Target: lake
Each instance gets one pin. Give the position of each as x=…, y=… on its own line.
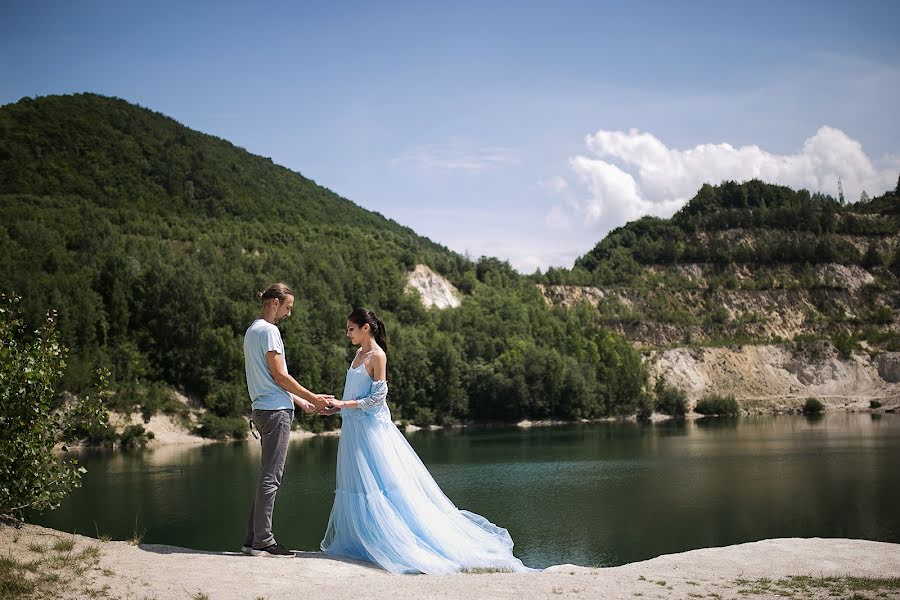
x=598, y=494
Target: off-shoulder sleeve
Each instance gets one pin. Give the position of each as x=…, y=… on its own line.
x=376, y=397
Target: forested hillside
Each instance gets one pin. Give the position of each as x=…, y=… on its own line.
x=150, y=240
x=747, y=263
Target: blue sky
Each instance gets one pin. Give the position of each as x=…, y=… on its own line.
x=519, y=130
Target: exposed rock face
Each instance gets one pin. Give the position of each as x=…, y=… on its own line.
x=889, y=366
x=434, y=290
x=767, y=377
x=676, y=308
x=675, y=305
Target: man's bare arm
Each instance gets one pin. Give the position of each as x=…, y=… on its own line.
x=284, y=379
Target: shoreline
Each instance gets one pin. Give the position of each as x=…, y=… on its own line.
x=796, y=567
x=168, y=433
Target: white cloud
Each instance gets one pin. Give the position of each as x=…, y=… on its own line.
x=459, y=156
x=633, y=173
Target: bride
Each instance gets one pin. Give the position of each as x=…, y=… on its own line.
x=387, y=508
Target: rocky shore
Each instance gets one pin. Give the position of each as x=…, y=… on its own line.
x=64, y=565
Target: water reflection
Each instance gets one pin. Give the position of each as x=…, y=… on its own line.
x=604, y=493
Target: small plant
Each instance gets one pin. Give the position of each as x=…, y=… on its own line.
x=219, y=428
x=31, y=363
x=813, y=406
x=644, y=408
x=486, y=570
x=135, y=436
x=845, y=344
x=670, y=400
x=138, y=536
x=873, y=404
x=718, y=405
x=62, y=545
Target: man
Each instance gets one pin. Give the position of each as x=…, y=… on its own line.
x=274, y=394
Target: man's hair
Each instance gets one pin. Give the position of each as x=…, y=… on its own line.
x=276, y=291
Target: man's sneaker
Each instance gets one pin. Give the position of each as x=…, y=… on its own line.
x=247, y=550
x=275, y=550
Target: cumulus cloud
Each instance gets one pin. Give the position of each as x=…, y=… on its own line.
x=630, y=174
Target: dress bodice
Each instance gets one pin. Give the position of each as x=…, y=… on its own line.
x=359, y=385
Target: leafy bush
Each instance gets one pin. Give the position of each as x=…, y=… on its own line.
x=32, y=476
x=715, y=404
x=423, y=417
x=102, y=436
x=845, y=344
x=644, y=407
x=135, y=436
x=874, y=404
x=809, y=346
x=220, y=428
x=670, y=400
x=813, y=406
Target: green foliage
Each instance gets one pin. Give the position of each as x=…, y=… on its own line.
x=220, y=428
x=32, y=421
x=670, y=400
x=845, y=344
x=809, y=347
x=873, y=404
x=785, y=226
x=644, y=407
x=813, y=406
x=152, y=239
x=135, y=436
x=718, y=405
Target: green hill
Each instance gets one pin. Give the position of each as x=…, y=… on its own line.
x=150, y=240
x=747, y=263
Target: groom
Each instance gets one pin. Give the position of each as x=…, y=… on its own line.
x=273, y=393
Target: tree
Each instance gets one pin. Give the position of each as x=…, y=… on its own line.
x=32, y=475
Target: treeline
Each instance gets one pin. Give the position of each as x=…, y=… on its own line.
x=150, y=240
x=779, y=225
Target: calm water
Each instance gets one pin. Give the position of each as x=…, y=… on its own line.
x=598, y=494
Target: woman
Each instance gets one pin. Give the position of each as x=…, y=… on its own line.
x=387, y=508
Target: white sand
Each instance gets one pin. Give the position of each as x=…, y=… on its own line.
x=156, y=571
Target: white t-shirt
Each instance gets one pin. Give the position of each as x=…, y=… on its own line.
x=262, y=337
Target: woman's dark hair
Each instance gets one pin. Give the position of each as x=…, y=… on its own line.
x=276, y=291
x=364, y=316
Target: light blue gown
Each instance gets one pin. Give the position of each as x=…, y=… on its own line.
x=388, y=510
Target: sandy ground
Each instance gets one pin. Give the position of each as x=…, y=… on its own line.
x=155, y=571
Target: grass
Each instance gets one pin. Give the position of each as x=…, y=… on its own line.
x=103, y=538
x=48, y=569
x=200, y=596
x=486, y=570
x=808, y=586
x=138, y=536
x=66, y=545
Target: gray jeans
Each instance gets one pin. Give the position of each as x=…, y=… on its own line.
x=274, y=429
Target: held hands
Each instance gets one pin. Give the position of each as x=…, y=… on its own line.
x=317, y=404
x=322, y=401
x=334, y=406
x=320, y=404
